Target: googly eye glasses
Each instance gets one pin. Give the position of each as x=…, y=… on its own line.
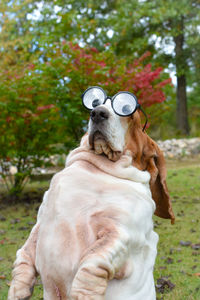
x=123, y=104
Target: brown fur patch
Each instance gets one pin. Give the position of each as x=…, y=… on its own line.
x=147, y=156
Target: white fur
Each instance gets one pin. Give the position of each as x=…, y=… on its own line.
x=94, y=236
x=115, y=128
x=77, y=194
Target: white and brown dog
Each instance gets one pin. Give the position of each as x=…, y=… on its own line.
x=94, y=235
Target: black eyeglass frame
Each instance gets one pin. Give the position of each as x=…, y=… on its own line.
x=112, y=99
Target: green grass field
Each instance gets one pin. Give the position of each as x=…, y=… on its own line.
x=178, y=259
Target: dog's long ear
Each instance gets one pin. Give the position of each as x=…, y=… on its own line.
x=157, y=168
x=148, y=156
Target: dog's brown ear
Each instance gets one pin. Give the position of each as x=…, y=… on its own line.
x=157, y=169
x=148, y=156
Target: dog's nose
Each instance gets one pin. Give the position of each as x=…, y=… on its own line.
x=99, y=114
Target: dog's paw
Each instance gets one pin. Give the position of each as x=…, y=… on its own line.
x=19, y=291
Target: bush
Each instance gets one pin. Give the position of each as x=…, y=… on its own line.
x=29, y=127
x=41, y=102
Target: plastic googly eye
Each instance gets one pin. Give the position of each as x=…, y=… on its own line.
x=93, y=97
x=124, y=103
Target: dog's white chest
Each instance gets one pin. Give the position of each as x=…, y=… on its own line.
x=129, y=206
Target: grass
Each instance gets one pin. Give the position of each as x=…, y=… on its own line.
x=181, y=264
x=175, y=263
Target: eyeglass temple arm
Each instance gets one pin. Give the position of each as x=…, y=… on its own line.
x=145, y=117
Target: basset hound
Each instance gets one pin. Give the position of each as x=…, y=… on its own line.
x=94, y=236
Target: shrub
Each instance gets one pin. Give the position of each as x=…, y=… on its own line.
x=41, y=102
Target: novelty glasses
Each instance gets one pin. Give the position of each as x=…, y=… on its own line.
x=123, y=104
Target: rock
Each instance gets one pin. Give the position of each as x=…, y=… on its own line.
x=170, y=155
x=177, y=148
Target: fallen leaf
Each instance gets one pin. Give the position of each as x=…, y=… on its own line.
x=163, y=257
x=195, y=246
x=195, y=253
x=178, y=249
x=164, y=284
x=31, y=223
x=174, y=174
x=14, y=221
x=195, y=200
x=181, y=213
x=169, y=260
x=23, y=228
x=2, y=218
x=197, y=274
x=12, y=243
x=2, y=277
x=157, y=223
x=185, y=243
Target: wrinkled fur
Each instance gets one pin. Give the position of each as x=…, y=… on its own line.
x=94, y=235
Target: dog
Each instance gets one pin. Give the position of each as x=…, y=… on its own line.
x=94, y=236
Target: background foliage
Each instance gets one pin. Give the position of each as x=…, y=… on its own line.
x=51, y=51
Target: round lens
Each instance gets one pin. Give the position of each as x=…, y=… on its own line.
x=93, y=97
x=124, y=104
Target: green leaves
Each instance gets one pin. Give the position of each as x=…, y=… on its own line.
x=50, y=52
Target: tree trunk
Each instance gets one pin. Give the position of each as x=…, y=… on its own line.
x=181, y=108
x=181, y=70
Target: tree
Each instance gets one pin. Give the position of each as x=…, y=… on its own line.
x=75, y=68
x=136, y=27
x=139, y=24
x=41, y=103
x=42, y=78
x=179, y=21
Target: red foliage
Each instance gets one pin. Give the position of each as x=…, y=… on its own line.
x=40, y=108
x=106, y=70
x=8, y=119
x=31, y=66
